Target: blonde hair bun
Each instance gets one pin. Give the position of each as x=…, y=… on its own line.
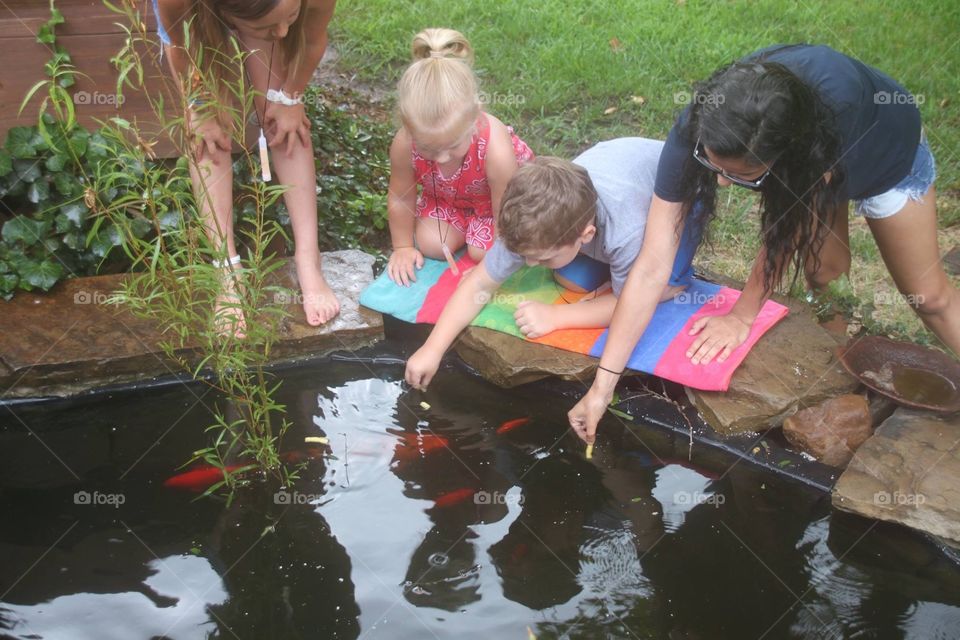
x=441, y=43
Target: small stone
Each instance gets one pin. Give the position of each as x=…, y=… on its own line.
x=831, y=431
x=951, y=261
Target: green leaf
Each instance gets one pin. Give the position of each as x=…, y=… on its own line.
x=6, y=162
x=8, y=282
x=66, y=184
x=79, y=141
x=41, y=275
x=24, y=229
x=75, y=212
x=45, y=34
x=56, y=163
x=38, y=191
x=19, y=142
x=622, y=414
x=27, y=170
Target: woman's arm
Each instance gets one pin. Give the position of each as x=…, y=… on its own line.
x=638, y=300
x=172, y=14
x=318, y=16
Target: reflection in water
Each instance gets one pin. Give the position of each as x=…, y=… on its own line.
x=424, y=522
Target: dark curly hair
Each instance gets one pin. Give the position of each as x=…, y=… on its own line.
x=762, y=113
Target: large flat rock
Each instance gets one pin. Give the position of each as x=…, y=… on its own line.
x=907, y=472
x=792, y=367
x=69, y=340
x=508, y=361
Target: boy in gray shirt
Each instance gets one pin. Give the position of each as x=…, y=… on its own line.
x=585, y=219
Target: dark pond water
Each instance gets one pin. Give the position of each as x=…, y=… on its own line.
x=400, y=536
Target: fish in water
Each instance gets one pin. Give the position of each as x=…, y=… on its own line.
x=198, y=479
x=415, y=444
x=510, y=425
x=454, y=497
x=204, y=476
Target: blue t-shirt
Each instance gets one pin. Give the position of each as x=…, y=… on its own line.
x=877, y=121
x=623, y=172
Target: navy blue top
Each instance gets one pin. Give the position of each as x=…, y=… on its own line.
x=877, y=120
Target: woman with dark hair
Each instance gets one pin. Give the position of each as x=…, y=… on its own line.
x=810, y=129
x=286, y=40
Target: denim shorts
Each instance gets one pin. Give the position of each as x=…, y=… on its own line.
x=161, y=32
x=912, y=187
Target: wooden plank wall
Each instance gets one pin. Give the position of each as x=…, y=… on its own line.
x=91, y=37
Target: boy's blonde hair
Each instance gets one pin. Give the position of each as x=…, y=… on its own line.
x=547, y=204
x=438, y=92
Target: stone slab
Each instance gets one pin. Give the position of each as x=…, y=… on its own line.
x=508, y=361
x=69, y=340
x=792, y=367
x=907, y=472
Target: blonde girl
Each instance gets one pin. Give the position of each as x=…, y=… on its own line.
x=449, y=162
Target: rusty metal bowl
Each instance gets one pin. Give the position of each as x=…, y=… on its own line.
x=908, y=374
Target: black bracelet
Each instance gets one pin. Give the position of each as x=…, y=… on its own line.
x=609, y=371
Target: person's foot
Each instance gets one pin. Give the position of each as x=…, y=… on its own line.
x=228, y=310
x=320, y=305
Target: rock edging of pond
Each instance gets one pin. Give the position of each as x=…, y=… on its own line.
x=69, y=340
x=792, y=367
x=508, y=361
x=907, y=472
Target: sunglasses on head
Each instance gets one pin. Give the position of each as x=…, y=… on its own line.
x=700, y=154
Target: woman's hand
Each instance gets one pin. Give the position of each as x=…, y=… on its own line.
x=209, y=138
x=286, y=125
x=718, y=335
x=586, y=414
x=403, y=265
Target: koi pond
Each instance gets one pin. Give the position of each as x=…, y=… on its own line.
x=464, y=512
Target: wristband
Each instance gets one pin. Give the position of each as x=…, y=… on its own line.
x=280, y=97
x=610, y=370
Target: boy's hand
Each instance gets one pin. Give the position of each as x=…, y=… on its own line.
x=535, y=319
x=421, y=367
x=718, y=335
x=403, y=265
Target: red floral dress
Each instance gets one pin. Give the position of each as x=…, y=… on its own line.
x=463, y=199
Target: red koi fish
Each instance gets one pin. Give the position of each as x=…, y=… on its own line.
x=454, y=497
x=198, y=479
x=510, y=425
x=415, y=444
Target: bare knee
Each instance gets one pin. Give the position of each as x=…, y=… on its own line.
x=476, y=253
x=933, y=301
x=828, y=271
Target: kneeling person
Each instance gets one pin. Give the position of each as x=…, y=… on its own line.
x=585, y=220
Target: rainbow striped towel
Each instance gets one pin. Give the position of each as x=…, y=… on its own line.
x=661, y=350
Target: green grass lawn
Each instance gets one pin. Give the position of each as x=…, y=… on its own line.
x=568, y=74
